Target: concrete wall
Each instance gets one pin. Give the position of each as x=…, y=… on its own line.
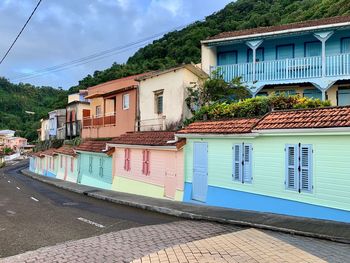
x=64, y=168
x=331, y=168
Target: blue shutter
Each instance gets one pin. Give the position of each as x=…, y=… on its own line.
x=306, y=168
x=247, y=171
x=283, y=52
x=259, y=55
x=313, y=49
x=227, y=58
x=345, y=45
x=313, y=93
x=292, y=156
x=237, y=162
x=344, y=96
x=101, y=167
x=90, y=164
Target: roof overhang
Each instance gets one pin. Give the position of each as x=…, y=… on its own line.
x=216, y=135
x=311, y=131
x=279, y=32
x=133, y=146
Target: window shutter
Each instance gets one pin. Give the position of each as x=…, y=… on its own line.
x=129, y=164
x=101, y=167
x=306, y=168
x=237, y=162
x=125, y=159
x=90, y=164
x=71, y=164
x=53, y=163
x=247, y=168
x=292, y=166
x=148, y=163
x=61, y=161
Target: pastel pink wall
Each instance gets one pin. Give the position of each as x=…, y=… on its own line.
x=162, y=162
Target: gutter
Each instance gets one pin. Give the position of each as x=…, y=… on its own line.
x=132, y=146
x=215, y=136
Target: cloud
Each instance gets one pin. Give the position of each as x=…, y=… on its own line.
x=65, y=30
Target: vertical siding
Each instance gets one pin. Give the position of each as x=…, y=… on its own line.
x=331, y=169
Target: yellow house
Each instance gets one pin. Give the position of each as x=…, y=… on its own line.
x=162, y=97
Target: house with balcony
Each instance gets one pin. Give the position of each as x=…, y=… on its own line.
x=113, y=108
x=43, y=131
x=162, y=97
x=310, y=58
x=74, y=113
x=57, y=124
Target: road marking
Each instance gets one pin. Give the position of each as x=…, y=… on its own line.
x=18, y=188
x=9, y=181
x=36, y=200
x=90, y=222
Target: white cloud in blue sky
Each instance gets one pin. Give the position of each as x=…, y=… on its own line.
x=65, y=30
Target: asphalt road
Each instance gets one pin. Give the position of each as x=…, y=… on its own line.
x=33, y=214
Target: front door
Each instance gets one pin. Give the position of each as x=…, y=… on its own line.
x=200, y=171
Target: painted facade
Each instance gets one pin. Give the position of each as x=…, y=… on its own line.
x=57, y=121
x=146, y=163
x=311, y=59
x=113, y=108
x=252, y=171
x=67, y=164
x=43, y=132
x=77, y=104
x=162, y=96
x=94, y=165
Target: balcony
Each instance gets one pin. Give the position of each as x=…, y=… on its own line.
x=270, y=72
x=108, y=119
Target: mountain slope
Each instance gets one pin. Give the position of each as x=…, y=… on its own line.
x=184, y=46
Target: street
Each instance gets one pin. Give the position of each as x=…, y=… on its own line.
x=33, y=214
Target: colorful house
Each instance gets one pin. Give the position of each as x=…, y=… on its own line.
x=49, y=163
x=290, y=162
x=148, y=163
x=309, y=58
x=113, y=108
x=162, y=96
x=57, y=122
x=95, y=164
x=43, y=132
x=67, y=168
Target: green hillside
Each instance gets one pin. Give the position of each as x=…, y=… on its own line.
x=15, y=100
x=184, y=46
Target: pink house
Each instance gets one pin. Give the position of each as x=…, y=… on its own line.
x=15, y=143
x=148, y=163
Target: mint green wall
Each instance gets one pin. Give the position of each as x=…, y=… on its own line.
x=331, y=167
x=94, y=178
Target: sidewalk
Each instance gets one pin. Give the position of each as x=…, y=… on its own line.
x=330, y=230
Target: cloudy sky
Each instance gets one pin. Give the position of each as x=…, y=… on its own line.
x=66, y=30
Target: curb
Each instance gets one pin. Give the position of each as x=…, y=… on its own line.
x=186, y=215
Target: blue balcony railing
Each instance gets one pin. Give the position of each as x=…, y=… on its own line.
x=287, y=69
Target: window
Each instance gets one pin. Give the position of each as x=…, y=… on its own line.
x=345, y=45
x=312, y=49
x=127, y=160
x=262, y=94
x=285, y=51
x=98, y=111
x=299, y=167
x=90, y=164
x=146, y=162
x=285, y=92
x=100, y=171
x=242, y=163
x=313, y=93
x=227, y=58
x=158, y=102
x=344, y=96
x=259, y=55
x=126, y=101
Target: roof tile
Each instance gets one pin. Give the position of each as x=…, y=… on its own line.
x=92, y=146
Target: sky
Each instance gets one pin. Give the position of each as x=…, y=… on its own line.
x=66, y=30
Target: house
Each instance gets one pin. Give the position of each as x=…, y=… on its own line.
x=57, y=121
x=309, y=58
x=74, y=113
x=67, y=167
x=49, y=162
x=36, y=163
x=43, y=131
x=5, y=134
x=15, y=143
x=113, y=108
x=148, y=163
x=292, y=162
x=162, y=96
x=95, y=164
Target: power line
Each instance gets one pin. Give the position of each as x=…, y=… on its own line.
x=94, y=57
x=20, y=32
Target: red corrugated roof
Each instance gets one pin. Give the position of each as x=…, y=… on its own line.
x=298, y=25
x=233, y=126
x=148, y=138
x=331, y=117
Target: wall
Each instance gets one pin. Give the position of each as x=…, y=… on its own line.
x=331, y=180
x=64, y=171
x=125, y=119
x=208, y=58
x=166, y=170
x=93, y=177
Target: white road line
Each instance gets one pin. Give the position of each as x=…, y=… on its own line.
x=36, y=200
x=9, y=181
x=18, y=188
x=90, y=222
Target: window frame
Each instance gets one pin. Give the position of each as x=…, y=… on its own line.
x=241, y=162
x=341, y=44
x=285, y=45
x=124, y=106
x=312, y=42
x=226, y=52
x=158, y=94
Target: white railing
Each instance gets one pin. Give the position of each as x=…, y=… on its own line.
x=287, y=69
x=156, y=124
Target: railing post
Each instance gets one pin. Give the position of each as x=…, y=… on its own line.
x=323, y=37
x=287, y=68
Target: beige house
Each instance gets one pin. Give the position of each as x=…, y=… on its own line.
x=43, y=131
x=162, y=97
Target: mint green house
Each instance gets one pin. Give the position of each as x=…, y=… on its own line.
x=95, y=165
x=289, y=162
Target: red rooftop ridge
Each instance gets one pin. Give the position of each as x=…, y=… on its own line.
x=92, y=146
x=66, y=150
x=298, y=25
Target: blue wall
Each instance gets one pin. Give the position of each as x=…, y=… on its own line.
x=247, y=201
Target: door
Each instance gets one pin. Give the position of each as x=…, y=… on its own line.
x=200, y=171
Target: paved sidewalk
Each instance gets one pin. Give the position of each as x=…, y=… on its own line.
x=295, y=225
x=190, y=241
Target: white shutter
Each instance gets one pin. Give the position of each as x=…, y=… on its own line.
x=237, y=162
x=292, y=155
x=247, y=158
x=306, y=168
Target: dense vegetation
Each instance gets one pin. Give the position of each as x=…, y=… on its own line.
x=174, y=48
x=15, y=100
x=184, y=46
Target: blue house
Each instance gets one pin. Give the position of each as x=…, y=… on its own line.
x=310, y=58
